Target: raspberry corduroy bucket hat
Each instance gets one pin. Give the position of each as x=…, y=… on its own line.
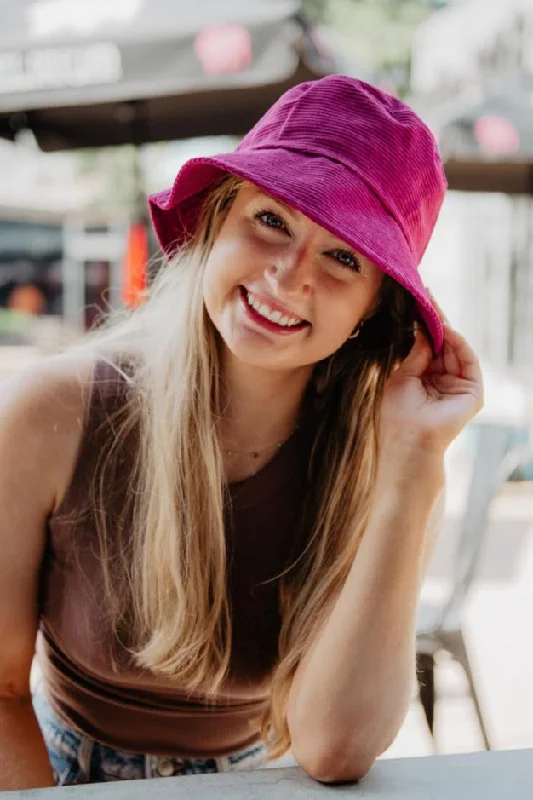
x=355, y=160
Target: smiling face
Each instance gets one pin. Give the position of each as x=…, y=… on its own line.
x=283, y=292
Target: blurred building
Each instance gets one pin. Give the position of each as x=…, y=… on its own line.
x=472, y=80
x=30, y=256
x=59, y=256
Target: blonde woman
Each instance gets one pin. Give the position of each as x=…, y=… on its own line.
x=216, y=514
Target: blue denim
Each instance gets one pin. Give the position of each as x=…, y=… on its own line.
x=76, y=758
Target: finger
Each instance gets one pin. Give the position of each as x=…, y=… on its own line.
x=437, y=363
x=449, y=359
x=460, y=351
x=452, y=365
x=419, y=358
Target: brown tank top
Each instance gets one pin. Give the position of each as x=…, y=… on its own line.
x=132, y=709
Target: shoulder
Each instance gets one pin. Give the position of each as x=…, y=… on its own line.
x=49, y=391
x=42, y=415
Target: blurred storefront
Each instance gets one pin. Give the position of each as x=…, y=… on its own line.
x=30, y=255
x=46, y=215
x=472, y=80
x=30, y=270
x=68, y=268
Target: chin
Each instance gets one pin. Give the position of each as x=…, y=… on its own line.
x=256, y=355
x=246, y=355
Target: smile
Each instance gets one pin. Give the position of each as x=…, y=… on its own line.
x=270, y=318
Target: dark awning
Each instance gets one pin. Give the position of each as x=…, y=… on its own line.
x=109, y=72
x=514, y=177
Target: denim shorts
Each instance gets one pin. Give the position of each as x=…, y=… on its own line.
x=76, y=758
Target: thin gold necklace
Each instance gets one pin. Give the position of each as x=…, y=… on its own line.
x=256, y=453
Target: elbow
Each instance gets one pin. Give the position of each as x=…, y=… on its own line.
x=332, y=765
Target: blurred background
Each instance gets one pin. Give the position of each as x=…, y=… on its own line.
x=101, y=103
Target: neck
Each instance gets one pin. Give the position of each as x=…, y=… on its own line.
x=260, y=406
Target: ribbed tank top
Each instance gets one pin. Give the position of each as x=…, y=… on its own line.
x=130, y=708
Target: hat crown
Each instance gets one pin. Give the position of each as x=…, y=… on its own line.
x=372, y=133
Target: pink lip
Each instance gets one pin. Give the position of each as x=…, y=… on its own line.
x=287, y=312
x=267, y=324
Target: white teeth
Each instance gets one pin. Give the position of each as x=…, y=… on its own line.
x=269, y=313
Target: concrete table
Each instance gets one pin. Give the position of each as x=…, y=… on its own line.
x=475, y=776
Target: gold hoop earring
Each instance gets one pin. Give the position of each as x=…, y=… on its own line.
x=357, y=331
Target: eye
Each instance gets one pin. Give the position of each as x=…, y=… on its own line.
x=270, y=220
x=346, y=259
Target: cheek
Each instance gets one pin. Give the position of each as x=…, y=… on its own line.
x=218, y=272
x=230, y=262
x=342, y=311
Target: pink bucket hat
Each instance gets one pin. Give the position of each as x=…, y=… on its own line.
x=353, y=159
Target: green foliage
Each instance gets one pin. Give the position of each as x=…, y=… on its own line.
x=117, y=167
x=375, y=33
x=316, y=10
x=391, y=9
x=119, y=172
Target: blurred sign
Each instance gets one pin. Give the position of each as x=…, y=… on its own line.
x=50, y=17
x=224, y=49
x=59, y=67
x=496, y=135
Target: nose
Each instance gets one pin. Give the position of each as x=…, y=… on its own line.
x=291, y=274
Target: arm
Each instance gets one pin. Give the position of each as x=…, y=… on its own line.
x=40, y=415
x=356, y=682
x=351, y=691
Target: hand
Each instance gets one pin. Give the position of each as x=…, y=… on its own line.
x=428, y=400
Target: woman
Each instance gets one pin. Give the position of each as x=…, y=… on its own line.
x=220, y=508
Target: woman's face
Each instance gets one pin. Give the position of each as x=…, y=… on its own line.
x=283, y=292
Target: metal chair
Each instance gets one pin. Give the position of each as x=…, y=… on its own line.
x=440, y=627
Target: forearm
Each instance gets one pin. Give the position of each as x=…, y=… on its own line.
x=351, y=692
x=24, y=761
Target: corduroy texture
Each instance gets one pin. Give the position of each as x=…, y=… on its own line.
x=352, y=158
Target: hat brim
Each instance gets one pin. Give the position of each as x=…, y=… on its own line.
x=325, y=191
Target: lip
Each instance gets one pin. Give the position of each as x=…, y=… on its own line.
x=267, y=324
x=274, y=305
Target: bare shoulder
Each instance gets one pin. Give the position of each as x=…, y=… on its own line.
x=42, y=413
x=41, y=420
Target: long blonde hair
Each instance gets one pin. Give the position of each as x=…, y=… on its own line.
x=165, y=570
